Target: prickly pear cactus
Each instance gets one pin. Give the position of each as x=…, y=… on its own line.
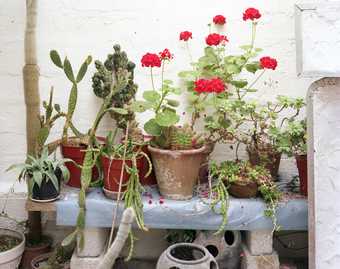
x=116, y=65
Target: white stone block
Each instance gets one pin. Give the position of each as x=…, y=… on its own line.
x=317, y=39
x=95, y=242
x=259, y=242
x=259, y=262
x=85, y=262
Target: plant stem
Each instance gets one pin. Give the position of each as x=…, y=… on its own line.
x=152, y=82
x=257, y=79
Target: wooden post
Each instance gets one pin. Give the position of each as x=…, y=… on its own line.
x=32, y=101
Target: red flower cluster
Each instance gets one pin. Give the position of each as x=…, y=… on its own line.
x=251, y=14
x=151, y=60
x=215, y=39
x=219, y=19
x=268, y=63
x=185, y=36
x=166, y=55
x=215, y=85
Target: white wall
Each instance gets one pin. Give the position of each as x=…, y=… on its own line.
x=78, y=28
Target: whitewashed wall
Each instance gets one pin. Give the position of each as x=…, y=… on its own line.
x=78, y=28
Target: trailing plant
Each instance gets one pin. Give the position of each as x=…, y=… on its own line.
x=75, y=80
x=103, y=79
x=130, y=151
x=242, y=172
x=41, y=169
x=180, y=236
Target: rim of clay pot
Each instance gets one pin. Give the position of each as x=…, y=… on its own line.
x=204, y=250
x=74, y=138
x=182, y=152
x=15, y=252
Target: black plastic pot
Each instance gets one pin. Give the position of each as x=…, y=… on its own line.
x=47, y=190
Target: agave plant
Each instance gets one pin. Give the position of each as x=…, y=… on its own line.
x=42, y=168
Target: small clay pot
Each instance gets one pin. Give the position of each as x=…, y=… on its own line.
x=267, y=157
x=38, y=262
x=301, y=163
x=243, y=190
x=177, y=171
x=33, y=251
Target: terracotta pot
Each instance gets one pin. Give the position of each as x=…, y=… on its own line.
x=266, y=157
x=10, y=259
x=177, y=171
x=248, y=190
x=38, y=262
x=77, y=154
x=186, y=256
x=301, y=163
x=33, y=251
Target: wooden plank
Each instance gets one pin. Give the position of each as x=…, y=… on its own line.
x=43, y=207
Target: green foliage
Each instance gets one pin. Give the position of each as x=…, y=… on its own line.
x=41, y=169
x=295, y=136
x=184, y=138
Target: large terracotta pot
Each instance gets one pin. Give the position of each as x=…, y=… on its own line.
x=10, y=259
x=301, y=163
x=33, y=251
x=77, y=154
x=177, y=171
x=186, y=256
x=267, y=157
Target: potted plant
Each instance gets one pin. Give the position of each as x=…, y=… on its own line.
x=12, y=245
x=173, y=148
x=296, y=138
x=45, y=175
x=244, y=180
x=219, y=92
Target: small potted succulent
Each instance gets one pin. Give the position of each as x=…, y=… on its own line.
x=12, y=246
x=173, y=148
x=296, y=137
x=244, y=180
x=44, y=175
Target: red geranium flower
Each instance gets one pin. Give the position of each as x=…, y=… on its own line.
x=215, y=39
x=166, y=55
x=185, y=36
x=151, y=60
x=268, y=63
x=215, y=85
x=219, y=19
x=251, y=14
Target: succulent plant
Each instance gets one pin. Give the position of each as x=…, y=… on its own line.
x=184, y=138
x=102, y=81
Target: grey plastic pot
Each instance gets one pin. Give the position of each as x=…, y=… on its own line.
x=10, y=259
x=186, y=256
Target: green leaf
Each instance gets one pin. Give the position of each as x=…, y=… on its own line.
x=151, y=96
x=239, y=83
x=37, y=178
x=54, y=55
x=68, y=70
x=119, y=110
x=72, y=101
x=253, y=67
x=57, y=107
x=173, y=103
x=70, y=239
x=82, y=72
x=139, y=106
x=232, y=69
x=152, y=128
x=65, y=172
x=246, y=47
x=42, y=135
x=166, y=118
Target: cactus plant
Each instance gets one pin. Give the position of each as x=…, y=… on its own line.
x=184, y=138
x=72, y=101
x=102, y=80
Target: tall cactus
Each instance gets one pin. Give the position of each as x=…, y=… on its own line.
x=72, y=100
x=102, y=80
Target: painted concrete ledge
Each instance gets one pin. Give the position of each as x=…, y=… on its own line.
x=243, y=214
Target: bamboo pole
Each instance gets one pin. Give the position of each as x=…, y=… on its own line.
x=32, y=101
